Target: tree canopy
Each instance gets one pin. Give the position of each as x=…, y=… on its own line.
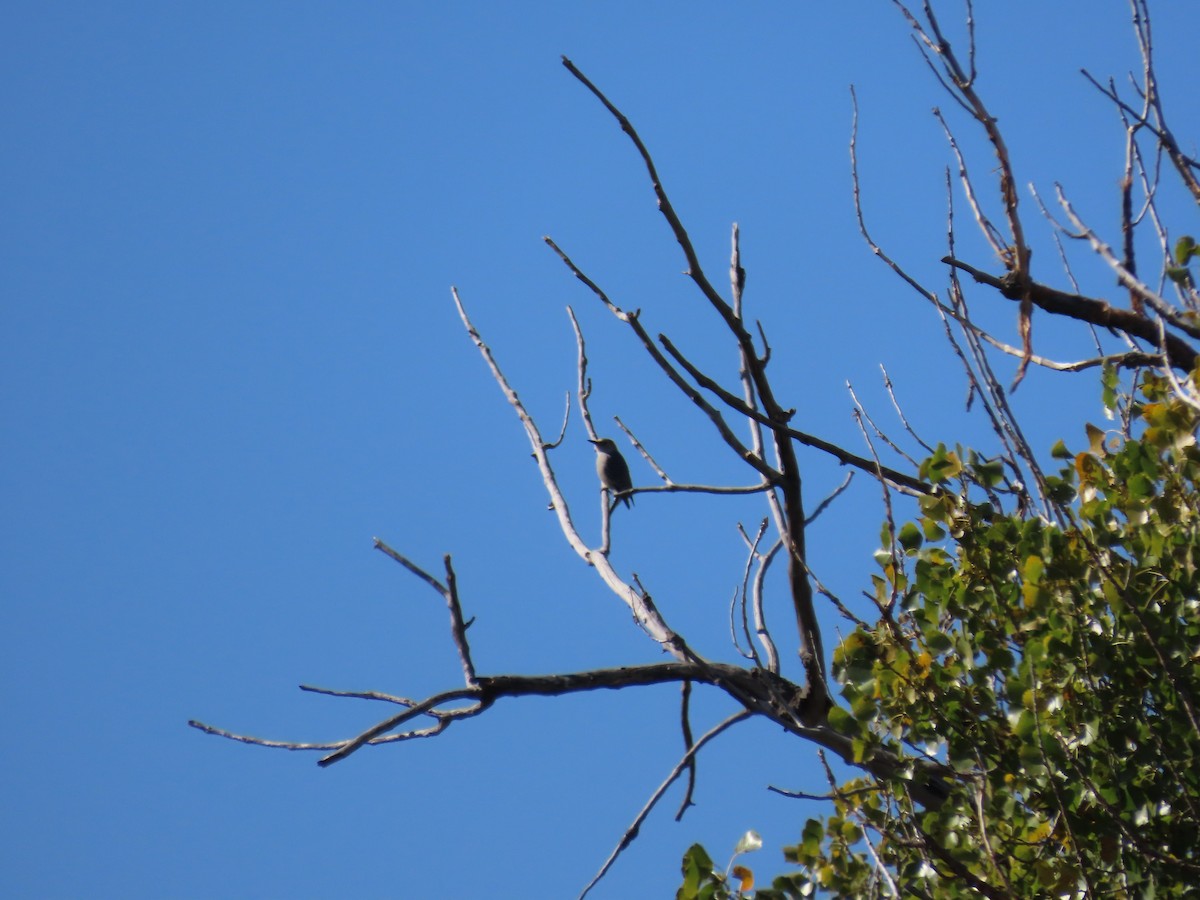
x=1017, y=716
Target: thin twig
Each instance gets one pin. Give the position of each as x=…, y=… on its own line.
x=648, y=618
x=1160, y=305
x=1087, y=309
x=633, y=320
x=458, y=628
x=449, y=592
x=887, y=383
x=632, y=831
x=360, y=695
x=744, y=593
x=562, y=433
x=758, y=593
x=685, y=716
x=833, y=495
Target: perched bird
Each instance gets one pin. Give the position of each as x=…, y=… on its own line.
x=612, y=469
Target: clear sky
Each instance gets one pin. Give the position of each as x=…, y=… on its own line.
x=228, y=358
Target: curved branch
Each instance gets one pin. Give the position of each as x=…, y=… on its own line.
x=896, y=478
x=633, y=321
x=639, y=604
x=1181, y=355
x=789, y=484
x=759, y=691
x=687, y=760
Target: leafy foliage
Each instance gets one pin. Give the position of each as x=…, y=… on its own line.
x=702, y=881
x=1185, y=249
x=1050, y=661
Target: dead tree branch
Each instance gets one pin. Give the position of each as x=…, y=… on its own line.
x=789, y=480
x=1087, y=309
x=688, y=759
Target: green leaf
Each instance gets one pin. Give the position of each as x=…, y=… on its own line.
x=989, y=473
x=1110, y=380
x=697, y=872
x=942, y=466
x=910, y=537
x=841, y=720
x=864, y=708
x=1140, y=487
x=938, y=640
x=1185, y=249
x=1043, y=652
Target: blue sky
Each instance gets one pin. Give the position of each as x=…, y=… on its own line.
x=229, y=359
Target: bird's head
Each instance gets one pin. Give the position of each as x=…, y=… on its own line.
x=604, y=445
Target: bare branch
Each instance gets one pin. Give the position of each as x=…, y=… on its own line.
x=879, y=432
x=960, y=86
x=380, y=732
x=694, y=270
x=833, y=495
x=632, y=831
x=685, y=716
x=990, y=232
x=1160, y=305
x=899, y=479
x=744, y=593
x=645, y=614
x=746, y=358
x=585, y=392
x=458, y=628
x=257, y=741
x=1098, y=312
x=1184, y=165
x=836, y=794
x=449, y=592
x=360, y=695
x=858, y=210
x=633, y=320
x=789, y=482
x=562, y=433
x=887, y=383
x=637, y=445
x=760, y=619
x=1165, y=138
x=411, y=566
x=737, y=275
x=885, y=609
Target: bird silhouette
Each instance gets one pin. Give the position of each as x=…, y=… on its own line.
x=612, y=468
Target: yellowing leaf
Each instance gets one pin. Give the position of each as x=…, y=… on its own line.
x=1033, y=569
x=745, y=878
x=1039, y=833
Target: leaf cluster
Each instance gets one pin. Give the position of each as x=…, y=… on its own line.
x=1051, y=665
